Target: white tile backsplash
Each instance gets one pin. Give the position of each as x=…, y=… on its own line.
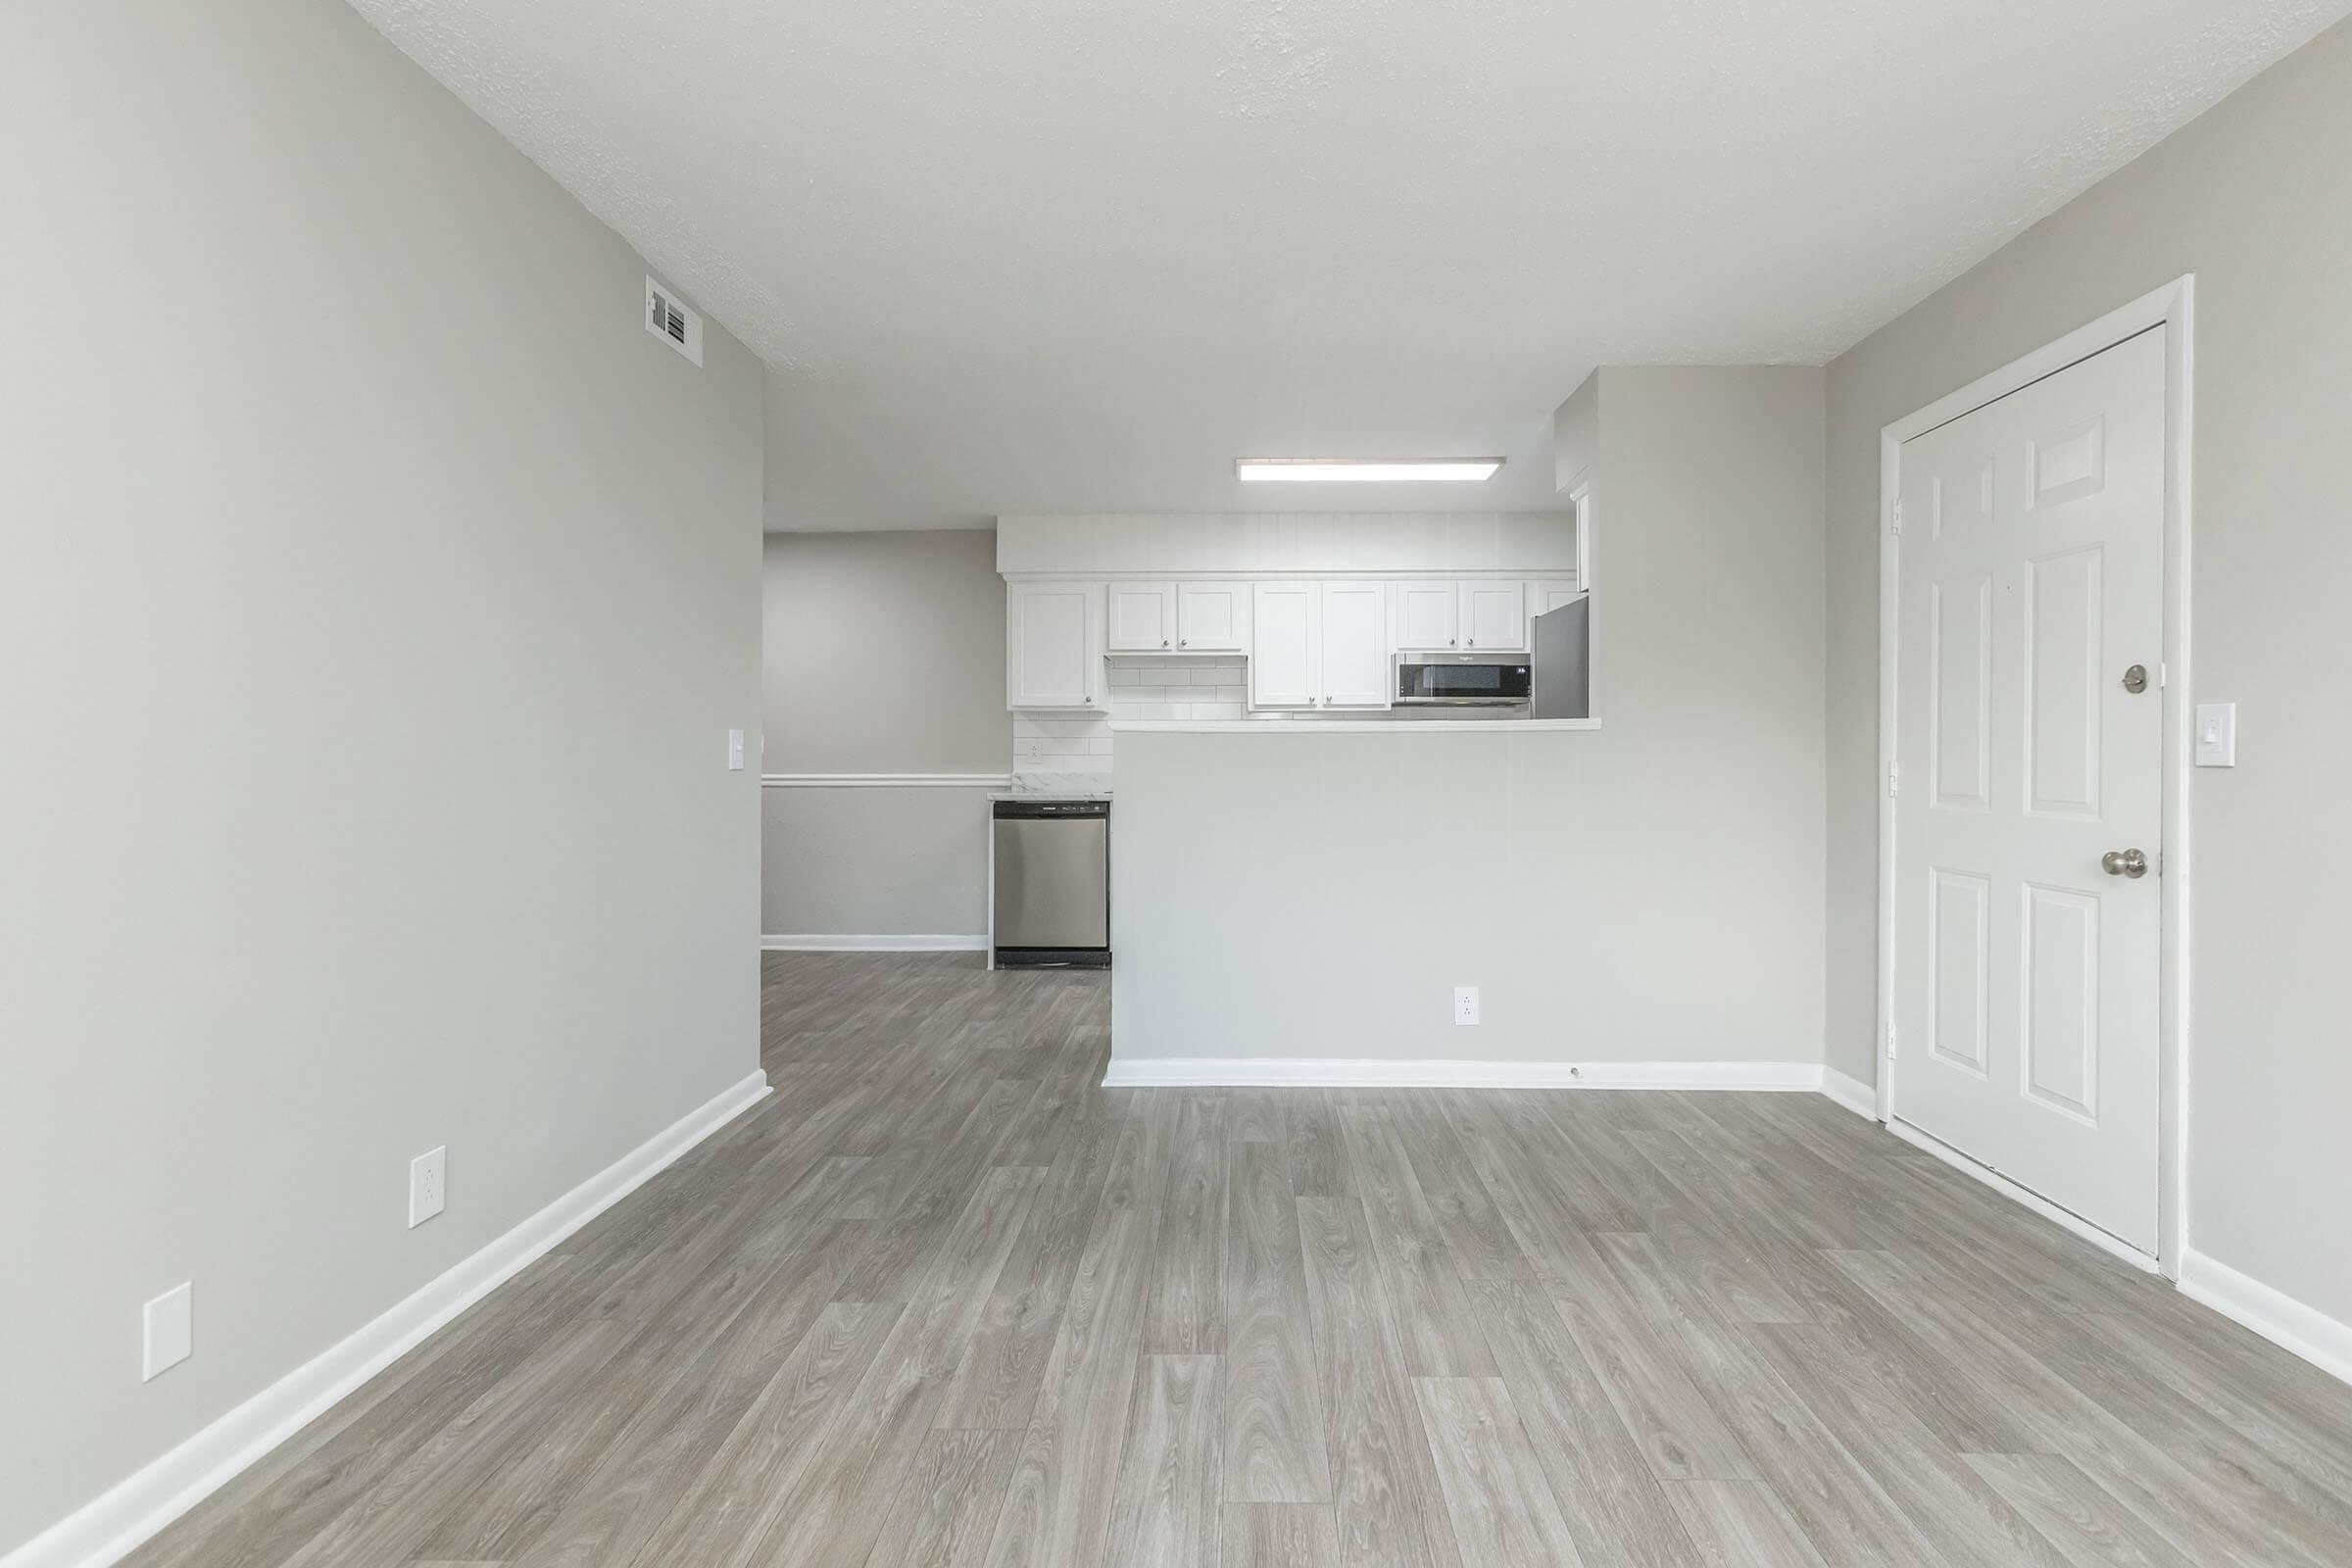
x=1197, y=689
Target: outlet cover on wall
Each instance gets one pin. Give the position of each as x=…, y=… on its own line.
x=427, y=1192
x=167, y=1330
x=1465, y=1005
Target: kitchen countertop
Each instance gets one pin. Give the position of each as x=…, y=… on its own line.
x=1049, y=795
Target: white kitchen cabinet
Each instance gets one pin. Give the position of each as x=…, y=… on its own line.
x=1054, y=645
x=1434, y=614
x=1287, y=644
x=1428, y=615
x=1493, y=614
x=1212, y=617
x=1544, y=596
x=1143, y=617
x=1548, y=594
x=1355, y=645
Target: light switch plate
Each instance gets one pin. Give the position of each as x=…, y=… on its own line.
x=428, y=1191
x=735, y=751
x=2216, y=735
x=167, y=1330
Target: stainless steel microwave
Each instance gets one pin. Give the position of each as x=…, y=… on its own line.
x=1463, y=681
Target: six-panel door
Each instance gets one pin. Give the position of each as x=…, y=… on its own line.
x=2025, y=972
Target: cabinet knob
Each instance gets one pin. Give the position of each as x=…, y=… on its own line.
x=1184, y=642
x=1449, y=642
x=1163, y=642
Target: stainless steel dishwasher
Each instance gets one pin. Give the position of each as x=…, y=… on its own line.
x=1053, y=882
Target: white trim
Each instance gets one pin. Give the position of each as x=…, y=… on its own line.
x=2291, y=1325
x=1850, y=1092
x=117, y=1521
x=839, y=781
x=1361, y=1072
x=1346, y=727
x=888, y=942
x=2173, y=307
x=2065, y=1219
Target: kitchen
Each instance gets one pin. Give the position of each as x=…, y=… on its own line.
x=1306, y=621
x=1297, y=865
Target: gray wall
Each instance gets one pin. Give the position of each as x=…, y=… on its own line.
x=916, y=622
x=1647, y=892
x=2253, y=198
x=374, y=597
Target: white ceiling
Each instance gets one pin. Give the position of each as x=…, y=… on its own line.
x=1078, y=254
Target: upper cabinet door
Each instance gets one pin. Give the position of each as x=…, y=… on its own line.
x=1548, y=594
x=1053, y=645
x=1143, y=617
x=1355, y=645
x=1426, y=615
x=1212, y=617
x=1287, y=638
x=1494, y=615
x=1544, y=596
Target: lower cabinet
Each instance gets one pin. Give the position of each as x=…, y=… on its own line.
x=1319, y=644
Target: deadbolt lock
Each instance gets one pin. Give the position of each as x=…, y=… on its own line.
x=2136, y=679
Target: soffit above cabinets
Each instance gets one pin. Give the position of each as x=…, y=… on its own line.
x=1274, y=545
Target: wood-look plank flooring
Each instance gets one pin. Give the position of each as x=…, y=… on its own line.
x=943, y=1302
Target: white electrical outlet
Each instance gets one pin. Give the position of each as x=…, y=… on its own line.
x=427, y=1190
x=1465, y=1005
x=167, y=1330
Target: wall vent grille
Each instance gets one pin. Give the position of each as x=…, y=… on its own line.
x=672, y=323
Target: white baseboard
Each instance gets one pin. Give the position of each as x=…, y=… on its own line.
x=110, y=1526
x=1334, y=1072
x=874, y=944
x=1850, y=1092
x=2306, y=1331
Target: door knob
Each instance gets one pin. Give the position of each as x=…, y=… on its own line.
x=2125, y=862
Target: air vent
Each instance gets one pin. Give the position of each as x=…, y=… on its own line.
x=671, y=321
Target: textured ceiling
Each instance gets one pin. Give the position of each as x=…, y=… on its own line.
x=1077, y=256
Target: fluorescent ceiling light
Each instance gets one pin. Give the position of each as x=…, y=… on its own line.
x=1297, y=471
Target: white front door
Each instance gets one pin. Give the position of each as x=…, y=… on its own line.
x=2031, y=581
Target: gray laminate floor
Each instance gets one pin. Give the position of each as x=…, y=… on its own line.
x=939, y=1300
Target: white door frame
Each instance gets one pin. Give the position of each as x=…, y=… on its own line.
x=2173, y=308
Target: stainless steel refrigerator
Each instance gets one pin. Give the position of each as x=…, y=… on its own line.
x=1562, y=686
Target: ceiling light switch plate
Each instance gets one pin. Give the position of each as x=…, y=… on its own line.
x=2216, y=735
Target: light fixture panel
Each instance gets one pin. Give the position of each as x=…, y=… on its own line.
x=1365, y=470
